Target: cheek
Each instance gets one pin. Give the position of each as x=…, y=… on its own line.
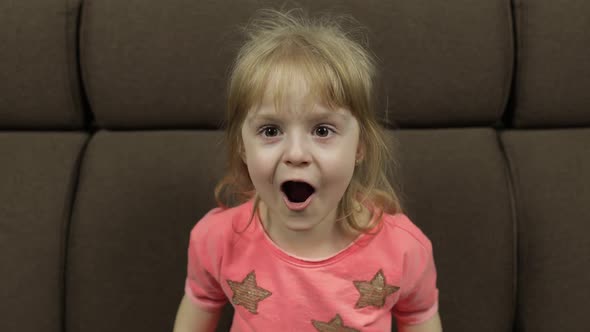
x=338, y=168
x=260, y=165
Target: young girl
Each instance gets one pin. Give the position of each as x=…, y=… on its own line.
x=315, y=240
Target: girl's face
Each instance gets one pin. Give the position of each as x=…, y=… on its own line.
x=300, y=159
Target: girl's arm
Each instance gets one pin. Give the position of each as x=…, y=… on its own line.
x=191, y=318
x=431, y=325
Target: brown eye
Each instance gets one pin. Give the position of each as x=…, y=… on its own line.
x=322, y=131
x=270, y=131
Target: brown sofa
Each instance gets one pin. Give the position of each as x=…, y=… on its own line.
x=110, y=146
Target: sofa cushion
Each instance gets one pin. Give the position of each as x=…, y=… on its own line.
x=553, y=64
x=455, y=186
x=139, y=195
x=441, y=64
x=551, y=171
x=148, y=65
x=39, y=80
x=152, y=66
x=39, y=177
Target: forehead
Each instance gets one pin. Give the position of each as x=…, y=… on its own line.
x=291, y=92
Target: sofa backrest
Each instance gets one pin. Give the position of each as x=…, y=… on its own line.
x=111, y=142
x=42, y=137
x=548, y=153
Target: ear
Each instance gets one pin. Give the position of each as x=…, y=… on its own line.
x=360, y=152
x=242, y=153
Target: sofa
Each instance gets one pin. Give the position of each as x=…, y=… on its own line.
x=111, y=142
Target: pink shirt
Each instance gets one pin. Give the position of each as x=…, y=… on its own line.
x=379, y=275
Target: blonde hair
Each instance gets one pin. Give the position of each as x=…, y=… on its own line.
x=339, y=72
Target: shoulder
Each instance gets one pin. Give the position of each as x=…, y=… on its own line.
x=413, y=249
x=219, y=223
x=399, y=229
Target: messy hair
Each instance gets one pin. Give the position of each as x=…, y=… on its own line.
x=329, y=53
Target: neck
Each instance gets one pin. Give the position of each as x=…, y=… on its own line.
x=324, y=240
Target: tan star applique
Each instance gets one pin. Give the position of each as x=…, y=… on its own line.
x=247, y=293
x=335, y=325
x=374, y=292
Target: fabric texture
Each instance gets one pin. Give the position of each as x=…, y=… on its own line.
x=389, y=271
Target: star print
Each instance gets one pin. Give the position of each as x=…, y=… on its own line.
x=374, y=292
x=335, y=325
x=247, y=293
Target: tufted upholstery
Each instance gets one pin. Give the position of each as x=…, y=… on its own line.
x=111, y=143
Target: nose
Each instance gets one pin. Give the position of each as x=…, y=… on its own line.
x=297, y=151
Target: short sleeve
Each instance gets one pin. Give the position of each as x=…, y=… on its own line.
x=419, y=301
x=204, y=255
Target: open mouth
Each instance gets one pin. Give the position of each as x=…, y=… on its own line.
x=297, y=191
